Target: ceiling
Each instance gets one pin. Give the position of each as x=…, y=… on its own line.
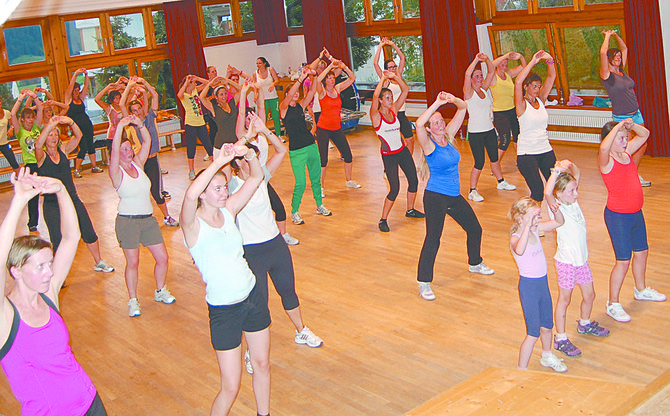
x=42, y=8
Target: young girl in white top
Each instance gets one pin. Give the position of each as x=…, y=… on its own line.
x=533, y=288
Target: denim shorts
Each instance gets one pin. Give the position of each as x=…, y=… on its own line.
x=628, y=233
x=636, y=116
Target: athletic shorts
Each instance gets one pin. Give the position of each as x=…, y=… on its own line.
x=569, y=275
x=131, y=232
x=628, y=233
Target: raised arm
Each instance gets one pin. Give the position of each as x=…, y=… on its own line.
x=115, y=154
x=604, y=62
x=349, y=81
x=124, y=97
x=72, y=144
x=374, y=105
x=641, y=136
x=558, y=219
x=70, y=87
x=204, y=100
x=490, y=73
x=239, y=199
x=457, y=120
x=551, y=77
x=143, y=154
x=98, y=97
x=467, y=80
x=280, y=150
x=378, y=54
x=288, y=97
x=520, y=243
x=421, y=132
x=513, y=72
x=242, y=110
x=622, y=47
x=519, y=100
x=605, y=161
x=13, y=118
x=401, y=57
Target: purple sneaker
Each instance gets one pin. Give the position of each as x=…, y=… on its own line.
x=592, y=328
x=567, y=348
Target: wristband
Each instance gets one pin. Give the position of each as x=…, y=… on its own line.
x=550, y=62
x=556, y=171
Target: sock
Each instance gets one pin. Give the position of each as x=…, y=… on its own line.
x=501, y=180
x=546, y=354
x=473, y=189
x=584, y=322
x=561, y=337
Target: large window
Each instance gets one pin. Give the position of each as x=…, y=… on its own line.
x=84, y=36
x=24, y=44
x=98, y=79
x=160, y=31
x=128, y=31
x=218, y=19
x=224, y=20
x=355, y=11
x=10, y=90
x=159, y=74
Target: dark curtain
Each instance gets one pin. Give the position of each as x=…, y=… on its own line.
x=270, y=21
x=646, y=64
x=323, y=24
x=184, y=43
x=449, y=45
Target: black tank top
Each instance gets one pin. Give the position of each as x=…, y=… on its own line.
x=225, y=122
x=299, y=135
x=77, y=112
x=60, y=171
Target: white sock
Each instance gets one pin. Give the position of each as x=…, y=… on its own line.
x=561, y=337
x=546, y=354
x=584, y=322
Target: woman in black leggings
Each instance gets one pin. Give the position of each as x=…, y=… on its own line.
x=5, y=148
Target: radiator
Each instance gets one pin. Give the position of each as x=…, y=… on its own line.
x=577, y=118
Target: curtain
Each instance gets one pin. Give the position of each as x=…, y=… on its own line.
x=270, y=21
x=323, y=24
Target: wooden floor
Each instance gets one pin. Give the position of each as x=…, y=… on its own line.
x=386, y=350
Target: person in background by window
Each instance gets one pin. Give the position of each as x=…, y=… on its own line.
x=621, y=89
x=267, y=79
x=194, y=121
x=209, y=117
x=502, y=89
x=5, y=147
x=111, y=106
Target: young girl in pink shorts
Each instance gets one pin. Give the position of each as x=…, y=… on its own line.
x=571, y=257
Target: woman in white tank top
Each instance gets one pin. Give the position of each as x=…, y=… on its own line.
x=267, y=78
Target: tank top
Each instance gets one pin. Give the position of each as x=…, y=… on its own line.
x=265, y=85
x=256, y=220
x=60, y=171
x=533, y=136
x=41, y=369
x=4, y=122
x=443, y=166
x=571, y=247
x=389, y=134
x=27, y=141
x=193, y=115
x=316, y=103
x=77, y=112
x=134, y=193
x=396, y=90
x=114, y=118
x=621, y=89
x=215, y=248
x=225, y=122
x=481, y=113
x=503, y=93
x=532, y=264
x=330, y=112
x=299, y=135
x=624, y=192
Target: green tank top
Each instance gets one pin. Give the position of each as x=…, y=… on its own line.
x=27, y=141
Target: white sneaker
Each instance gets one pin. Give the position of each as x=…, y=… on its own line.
x=164, y=296
x=247, y=363
x=307, y=337
x=297, y=219
x=474, y=196
x=554, y=363
x=134, y=308
x=352, y=184
x=615, y=310
x=290, y=240
x=649, y=294
x=104, y=267
x=322, y=210
x=425, y=291
x=206, y=158
x=643, y=183
x=481, y=268
x=505, y=186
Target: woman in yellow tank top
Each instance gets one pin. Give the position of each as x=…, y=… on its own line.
x=502, y=89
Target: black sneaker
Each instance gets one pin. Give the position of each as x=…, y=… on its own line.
x=412, y=213
x=166, y=195
x=33, y=229
x=384, y=226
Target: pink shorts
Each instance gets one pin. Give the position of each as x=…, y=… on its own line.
x=568, y=275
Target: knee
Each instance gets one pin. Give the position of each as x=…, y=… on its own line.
x=261, y=365
x=133, y=262
x=392, y=195
x=544, y=330
x=589, y=297
x=479, y=164
x=161, y=258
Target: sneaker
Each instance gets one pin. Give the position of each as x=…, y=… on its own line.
x=76, y=174
x=412, y=213
x=506, y=186
x=191, y=175
x=323, y=193
x=307, y=337
x=643, y=183
x=164, y=296
x=170, y=222
x=134, y=308
x=554, y=362
x=615, y=310
x=352, y=184
x=649, y=294
x=567, y=348
x=290, y=240
x=96, y=169
x=164, y=171
x=474, y=196
x=425, y=291
x=297, y=219
x=206, y=158
x=592, y=328
x=104, y=267
x=384, y=226
x=247, y=363
x=481, y=268
x=322, y=210
x=166, y=195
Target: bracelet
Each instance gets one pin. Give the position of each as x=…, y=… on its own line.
x=550, y=62
x=250, y=158
x=556, y=171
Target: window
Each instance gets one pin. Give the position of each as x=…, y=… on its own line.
x=505, y=5
x=24, y=44
x=412, y=47
x=98, y=79
x=524, y=41
x=160, y=32
x=362, y=53
x=159, y=74
x=382, y=10
x=354, y=11
x=410, y=9
x=247, y=17
x=128, y=31
x=293, y=12
x=84, y=36
x=218, y=20
x=555, y=3
x=9, y=91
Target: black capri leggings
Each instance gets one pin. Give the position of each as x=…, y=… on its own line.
x=192, y=133
x=153, y=171
x=52, y=219
x=406, y=163
x=405, y=125
x=276, y=204
x=480, y=141
x=507, y=125
x=530, y=167
x=34, y=203
x=437, y=206
x=86, y=146
x=8, y=153
x=339, y=140
x=273, y=257
x=213, y=128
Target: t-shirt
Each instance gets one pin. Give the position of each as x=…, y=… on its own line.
x=389, y=134
x=481, y=112
x=621, y=89
x=134, y=193
x=27, y=141
x=299, y=135
x=193, y=109
x=443, y=165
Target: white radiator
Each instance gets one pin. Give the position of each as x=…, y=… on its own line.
x=577, y=118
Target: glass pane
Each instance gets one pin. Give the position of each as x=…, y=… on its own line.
x=24, y=44
x=9, y=91
x=382, y=10
x=159, y=26
x=410, y=9
x=218, y=20
x=247, y=16
x=412, y=47
x=526, y=42
x=555, y=3
x=159, y=74
x=128, y=31
x=582, y=52
x=83, y=36
x=362, y=53
x=293, y=12
x=603, y=1
x=503, y=5
x=354, y=11
x=98, y=79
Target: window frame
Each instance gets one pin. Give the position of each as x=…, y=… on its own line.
x=48, y=57
x=236, y=36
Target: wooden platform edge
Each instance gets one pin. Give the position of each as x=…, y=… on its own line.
x=643, y=395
